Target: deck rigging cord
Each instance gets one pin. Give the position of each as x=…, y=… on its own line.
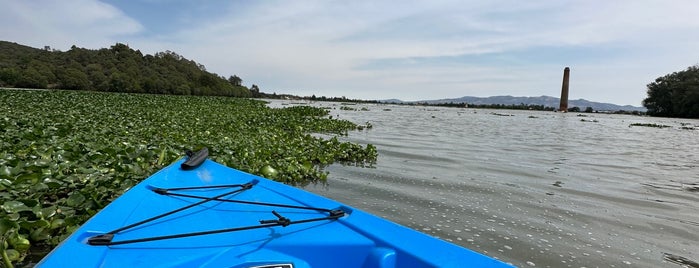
x=107, y=238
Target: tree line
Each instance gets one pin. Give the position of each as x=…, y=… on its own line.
x=115, y=69
x=675, y=94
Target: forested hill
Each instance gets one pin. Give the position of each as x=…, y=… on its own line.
x=117, y=69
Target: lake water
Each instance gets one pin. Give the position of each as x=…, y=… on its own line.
x=532, y=188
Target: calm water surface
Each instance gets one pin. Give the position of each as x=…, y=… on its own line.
x=536, y=189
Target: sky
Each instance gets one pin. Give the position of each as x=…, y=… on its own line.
x=408, y=50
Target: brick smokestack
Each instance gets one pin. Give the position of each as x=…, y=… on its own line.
x=564, y=90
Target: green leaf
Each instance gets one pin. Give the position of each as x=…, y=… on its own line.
x=75, y=199
x=5, y=172
x=57, y=223
x=15, y=207
x=48, y=212
x=29, y=202
x=41, y=224
x=40, y=234
x=18, y=242
x=13, y=216
x=6, y=225
x=13, y=255
x=31, y=178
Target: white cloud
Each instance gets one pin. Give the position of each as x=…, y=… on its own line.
x=61, y=24
x=320, y=47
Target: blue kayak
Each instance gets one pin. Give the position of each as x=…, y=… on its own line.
x=198, y=213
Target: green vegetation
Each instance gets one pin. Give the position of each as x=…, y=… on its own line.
x=675, y=95
x=648, y=125
x=116, y=69
x=499, y=114
x=366, y=125
x=66, y=154
x=688, y=126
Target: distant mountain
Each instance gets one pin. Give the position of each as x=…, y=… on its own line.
x=542, y=100
x=393, y=101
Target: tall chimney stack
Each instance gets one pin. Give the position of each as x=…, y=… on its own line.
x=564, y=90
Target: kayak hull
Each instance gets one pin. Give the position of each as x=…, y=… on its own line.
x=355, y=239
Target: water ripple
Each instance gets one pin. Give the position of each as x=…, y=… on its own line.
x=532, y=188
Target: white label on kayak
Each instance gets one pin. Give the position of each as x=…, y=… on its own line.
x=286, y=265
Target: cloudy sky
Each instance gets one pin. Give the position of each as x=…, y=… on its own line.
x=409, y=50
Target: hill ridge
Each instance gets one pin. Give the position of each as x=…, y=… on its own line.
x=547, y=101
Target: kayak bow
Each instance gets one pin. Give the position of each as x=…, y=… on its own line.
x=198, y=213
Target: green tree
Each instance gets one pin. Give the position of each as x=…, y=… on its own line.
x=117, y=68
x=95, y=73
x=235, y=80
x=31, y=78
x=44, y=69
x=255, y=90
x=675, y=94
x=73, y=79
x=8, y=76
x=120, y=82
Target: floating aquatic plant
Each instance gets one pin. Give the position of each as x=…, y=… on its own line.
x=648, y=125
x=65, y=154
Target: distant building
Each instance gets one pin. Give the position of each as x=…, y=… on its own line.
x=564, y=90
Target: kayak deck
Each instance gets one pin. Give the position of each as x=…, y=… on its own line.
x=312, y=232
